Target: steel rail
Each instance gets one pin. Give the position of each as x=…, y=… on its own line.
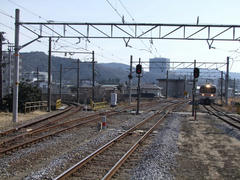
x=110, y=113
x=35, y=122
x=45, y=136
x=27, y=133
x=114, y=169
x=81, y=163
x=225, y=114
x=226, y=121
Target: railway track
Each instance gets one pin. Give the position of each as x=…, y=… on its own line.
x=38, y=124
x=23, y=136
x=30, y=124
x=39, y=134
x=231, y=120
x=104, y=162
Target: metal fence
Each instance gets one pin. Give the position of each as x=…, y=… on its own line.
x=37, y=105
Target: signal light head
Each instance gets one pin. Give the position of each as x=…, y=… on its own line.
x=196, y=72
x=139, y=69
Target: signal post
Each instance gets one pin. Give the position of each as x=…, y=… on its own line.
x=195, y=76
x=138, y=72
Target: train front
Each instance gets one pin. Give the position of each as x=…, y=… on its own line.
x=207, y=94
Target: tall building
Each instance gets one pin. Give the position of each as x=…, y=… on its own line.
x=159, y=65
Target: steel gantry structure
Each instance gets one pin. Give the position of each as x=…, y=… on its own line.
x=125, y=31
x=135, y=31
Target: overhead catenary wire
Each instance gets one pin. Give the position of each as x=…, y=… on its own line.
x=72, y=45
x=126, y=10
x=134, y=20
x=6, y=14
x=125, y=21
x=27, y=10
x=40, y=17
x=114, y=9
x=9, y=27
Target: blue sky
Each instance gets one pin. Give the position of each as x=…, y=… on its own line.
x=143, y=11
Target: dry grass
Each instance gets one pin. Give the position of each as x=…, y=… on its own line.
x=6, y=118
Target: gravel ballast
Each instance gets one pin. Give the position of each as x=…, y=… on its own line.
x=159, y=158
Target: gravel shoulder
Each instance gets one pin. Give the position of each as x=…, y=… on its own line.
x=207, y=150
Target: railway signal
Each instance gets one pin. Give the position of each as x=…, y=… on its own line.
x=139, y=69
x=196, y=72
x=138, y=72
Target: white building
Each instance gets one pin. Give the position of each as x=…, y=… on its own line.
x=159, y=65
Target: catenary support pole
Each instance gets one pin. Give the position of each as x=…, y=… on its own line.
x=184, y=84
x=167, y=84
x=193, y=91
x=226, y=81
x=9, y=70
x=138, y=90
x=16, y=67
x=78, y=72
x=130, y=81
x=221, y=88
x=1, y=69
x=49, y=73
x=234, y=87
x=60, y=82
x=93, y=77
x=37, y=77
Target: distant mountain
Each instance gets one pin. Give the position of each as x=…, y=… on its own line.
x=105, y=72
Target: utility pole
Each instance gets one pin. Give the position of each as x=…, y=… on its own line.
x=49, y=73
x=78, y=72
x=60, y=88
x=16, y=65
x=130, y=81
x=226, y=81
x=221, y=87
x=167, y=84
x=193, y=91
x=1, y=62
x=93, y=78
x=184, y=85
x=234, y=87
x=9, y=69
x=138, y=89
x=37, y=77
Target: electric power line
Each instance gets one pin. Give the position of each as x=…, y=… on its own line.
x=149, y=49
x=9, y=27
x=133, y=19
x=27, y=10
x=73, y=45
x=4, y=13
x=114, y=9
x=126, y=10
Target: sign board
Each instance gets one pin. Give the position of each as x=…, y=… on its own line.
x=58, y=103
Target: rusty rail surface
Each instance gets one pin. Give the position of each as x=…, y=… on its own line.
x=34, y=122
x=4, y=147
x=225, y=114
